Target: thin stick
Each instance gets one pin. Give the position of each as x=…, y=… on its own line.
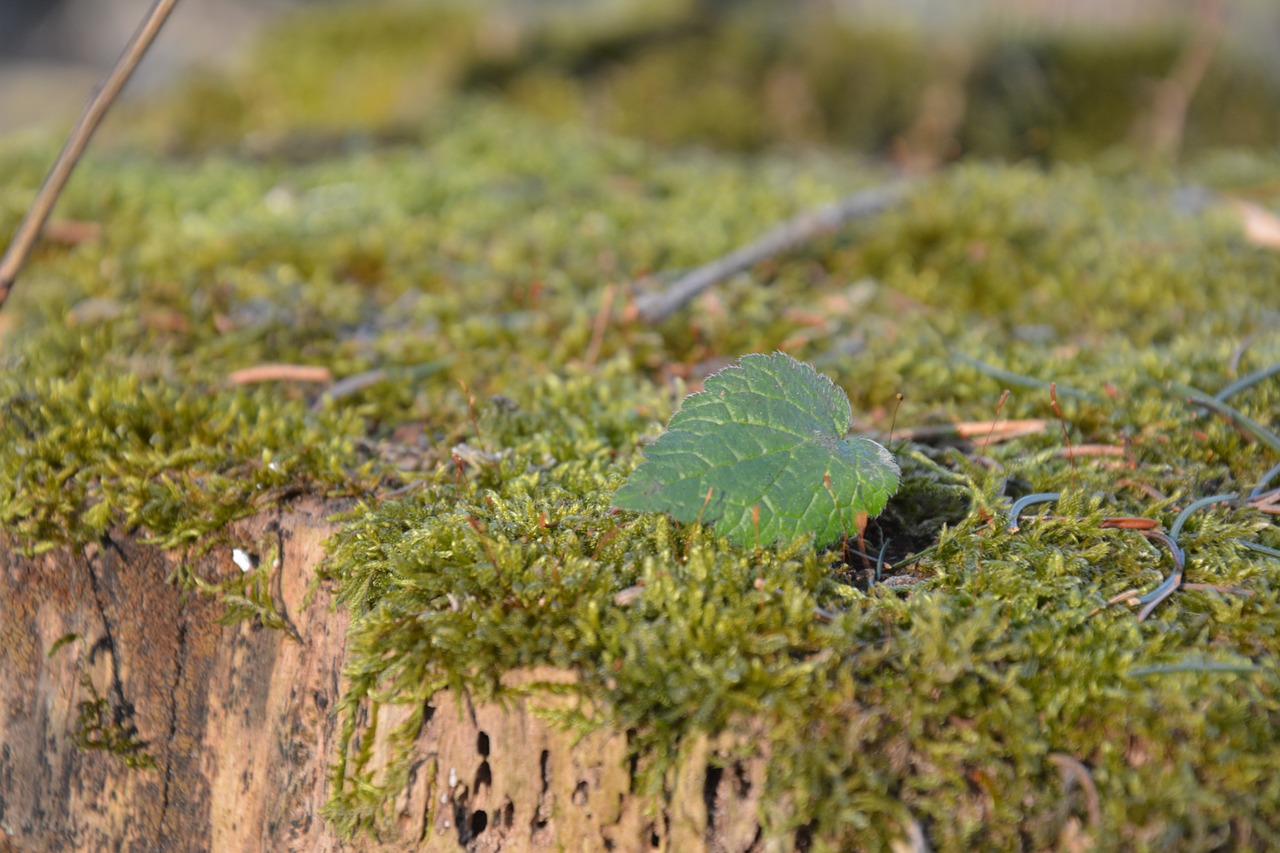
x=24, y=238
x=1004, y=397
x=806, y=226
x=893, y=423
x=1066, y=436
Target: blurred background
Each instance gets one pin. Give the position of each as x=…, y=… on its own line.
x=53, y=51
x=921, y=82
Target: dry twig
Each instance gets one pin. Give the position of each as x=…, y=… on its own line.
x=658, y=306
x=24, y=239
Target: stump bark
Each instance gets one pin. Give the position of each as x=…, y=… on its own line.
x=232, y=729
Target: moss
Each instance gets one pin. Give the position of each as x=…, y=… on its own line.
x=97, y=728
x=472, y=270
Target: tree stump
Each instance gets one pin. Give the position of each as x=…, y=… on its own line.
x=130, y=718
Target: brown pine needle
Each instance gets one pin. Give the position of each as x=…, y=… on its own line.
x=1129, y=596
x=1072, y=452
x=1129, y=523
x=1149, y=491
x=997, y=431
x=280, y=373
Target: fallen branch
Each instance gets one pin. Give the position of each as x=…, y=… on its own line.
x=658, y=306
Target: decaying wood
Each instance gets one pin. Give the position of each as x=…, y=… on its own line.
x=242, y=725
x=239, y=720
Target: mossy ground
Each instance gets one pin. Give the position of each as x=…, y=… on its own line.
x=482, y=258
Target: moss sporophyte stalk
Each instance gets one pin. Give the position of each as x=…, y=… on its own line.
x=949, y=695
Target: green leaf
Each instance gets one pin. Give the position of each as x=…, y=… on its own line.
x=767, y=433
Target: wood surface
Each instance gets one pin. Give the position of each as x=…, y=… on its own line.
x=241, y=724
